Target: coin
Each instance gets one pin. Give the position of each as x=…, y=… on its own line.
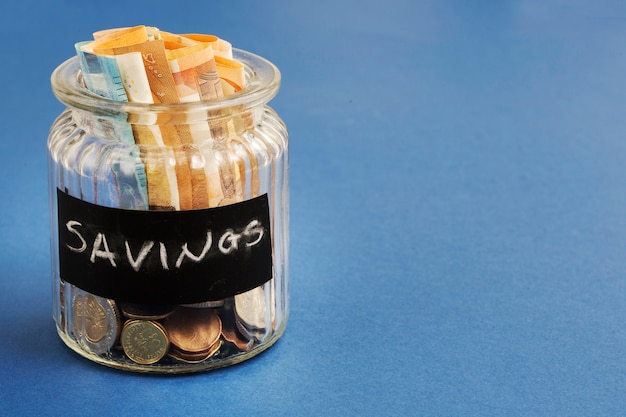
x=235, y=337
x=230, y=333
x=250, y=309
x=194, y=357
x=205, y=304
x=96, y=321
x=145, y=342
x=193, y=330
x=146, y=311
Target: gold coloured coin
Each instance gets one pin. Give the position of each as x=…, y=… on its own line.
x=96, y=323
x=144, y=342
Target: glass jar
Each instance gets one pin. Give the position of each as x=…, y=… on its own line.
x=169, y=225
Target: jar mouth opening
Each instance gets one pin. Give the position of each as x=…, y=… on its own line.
x=262, y=84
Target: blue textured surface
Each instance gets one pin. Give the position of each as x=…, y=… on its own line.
x=458, y=199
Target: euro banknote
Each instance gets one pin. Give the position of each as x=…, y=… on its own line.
x=153, y=66
x=127, y=186
x=194, y=74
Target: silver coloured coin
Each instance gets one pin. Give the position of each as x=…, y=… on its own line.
x=251, y=310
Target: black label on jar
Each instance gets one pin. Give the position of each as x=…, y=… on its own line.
x=164, y=257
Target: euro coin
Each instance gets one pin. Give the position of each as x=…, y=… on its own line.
x=193, y=330
x=145, y=342
x=96, y=321
x=187, y=357
x=251, y=310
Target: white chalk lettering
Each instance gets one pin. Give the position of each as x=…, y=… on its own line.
x=102, y=253
x=254, y=227
x=145, y=250
x=83, y=244
x=125, y=252
x=233, y=242
x=186, y=252
x=163, y=253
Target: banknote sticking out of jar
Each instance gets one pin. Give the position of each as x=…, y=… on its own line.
x=168, y=176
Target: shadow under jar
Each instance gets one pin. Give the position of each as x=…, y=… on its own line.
x=169, y=225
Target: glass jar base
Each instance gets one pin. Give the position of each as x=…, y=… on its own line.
x=213, y=362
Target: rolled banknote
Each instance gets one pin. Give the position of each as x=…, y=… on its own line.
x=161, y=176
x=220, y=47
x=154, y=66
x=231, y=72
x=185, y=72
x=195, y=73
x=100, y=73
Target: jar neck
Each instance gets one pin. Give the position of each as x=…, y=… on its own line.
x=216, y=125
x=226, y=116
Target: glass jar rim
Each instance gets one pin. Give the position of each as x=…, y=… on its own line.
x=262, y=84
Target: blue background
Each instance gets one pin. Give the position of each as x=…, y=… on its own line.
x=458, y=200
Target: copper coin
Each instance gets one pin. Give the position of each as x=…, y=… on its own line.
x=233, y=336
x=231, y=333
x=194, y=357
x=144, y=342
x=193, y=330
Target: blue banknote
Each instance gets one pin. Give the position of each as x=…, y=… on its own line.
x=111, y=172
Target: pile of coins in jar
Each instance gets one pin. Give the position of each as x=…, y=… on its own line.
x=150, y=334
